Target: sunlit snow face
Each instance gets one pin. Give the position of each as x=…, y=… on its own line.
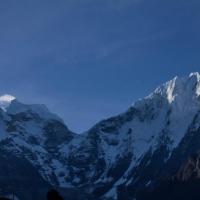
x=5, y=101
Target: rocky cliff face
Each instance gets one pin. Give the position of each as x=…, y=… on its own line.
x=122, y=157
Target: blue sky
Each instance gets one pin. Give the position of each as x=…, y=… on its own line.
x=90, y=59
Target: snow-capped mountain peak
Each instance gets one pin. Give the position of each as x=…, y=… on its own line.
x=5, y=101
x=179, y=98
x=40, y=109
x=178, y=87
x=195, y=74
x=11, y=105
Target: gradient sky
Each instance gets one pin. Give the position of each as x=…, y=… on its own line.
x=90, y=59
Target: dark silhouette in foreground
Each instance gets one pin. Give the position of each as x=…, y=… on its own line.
x=2, y=198
x=54, y=195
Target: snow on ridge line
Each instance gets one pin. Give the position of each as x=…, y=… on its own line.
x=40, y=109
x=7, y=98
x=5, y=101
x=11, y=105
x=174, y=87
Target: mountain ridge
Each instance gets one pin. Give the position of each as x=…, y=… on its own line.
x=118, y=157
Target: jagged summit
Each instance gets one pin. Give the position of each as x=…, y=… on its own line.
x=5, y=101
x=195, y=74
x=178, y=88
x=180, y=93
x=178, y=101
